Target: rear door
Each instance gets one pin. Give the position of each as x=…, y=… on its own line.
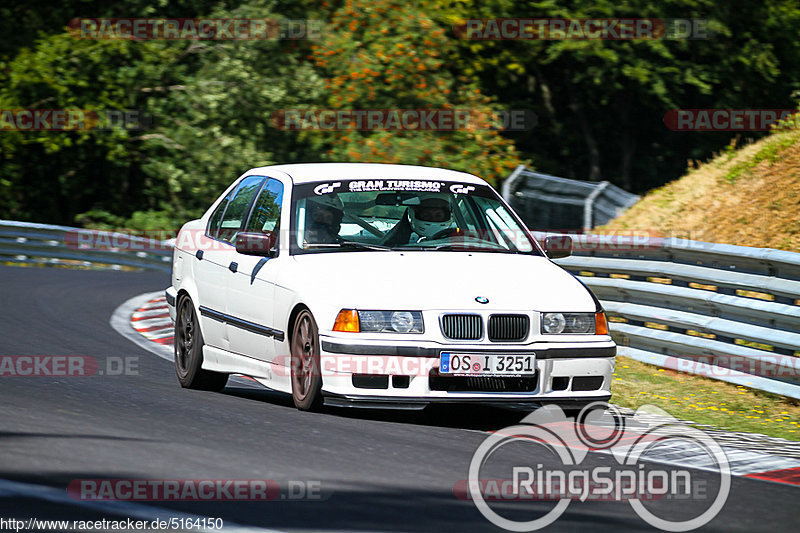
x=213, y=267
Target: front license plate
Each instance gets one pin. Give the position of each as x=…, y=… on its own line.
x=472, y=364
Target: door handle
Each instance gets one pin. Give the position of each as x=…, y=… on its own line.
x=233, y=267
x=199, y=254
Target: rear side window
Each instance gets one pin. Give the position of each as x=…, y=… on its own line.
x=227, y=218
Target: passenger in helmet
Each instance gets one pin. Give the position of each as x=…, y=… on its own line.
x=433, y=215
x=323, y=219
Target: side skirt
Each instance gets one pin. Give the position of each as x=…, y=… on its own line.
x=268, y=374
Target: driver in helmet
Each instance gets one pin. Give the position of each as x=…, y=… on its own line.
x=323, y=219
x=433, y=215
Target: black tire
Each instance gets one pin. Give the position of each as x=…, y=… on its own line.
x=305, y=363
x=189, y=352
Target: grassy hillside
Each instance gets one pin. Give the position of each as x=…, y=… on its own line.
x=749, y=196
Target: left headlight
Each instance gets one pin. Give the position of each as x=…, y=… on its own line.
x=379, y=321
x=574, y=323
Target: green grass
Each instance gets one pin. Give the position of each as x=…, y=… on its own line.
x=769, y=152
x=705, y=401
x=738, y=170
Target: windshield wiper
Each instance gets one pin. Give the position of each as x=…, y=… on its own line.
x=364, y=245
x=455, y=246
x=471, y=246
x=347, y=244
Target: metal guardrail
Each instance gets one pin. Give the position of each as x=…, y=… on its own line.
x=722, y=311
x=726, y=312
x=46, y=244
x=551, y=202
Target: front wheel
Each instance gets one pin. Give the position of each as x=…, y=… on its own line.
x=189, y=352
x=306, y=376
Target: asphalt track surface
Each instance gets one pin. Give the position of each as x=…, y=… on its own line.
x=377, y=470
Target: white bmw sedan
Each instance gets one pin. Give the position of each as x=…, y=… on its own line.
x=382, y=286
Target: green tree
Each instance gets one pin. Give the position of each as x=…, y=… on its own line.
x=56, y=175
x=601, y=103
x=210, y=104
x=388, y=54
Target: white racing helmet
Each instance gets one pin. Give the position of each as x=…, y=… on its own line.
x=432, y=215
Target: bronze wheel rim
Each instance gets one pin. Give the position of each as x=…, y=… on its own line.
x=304, y=348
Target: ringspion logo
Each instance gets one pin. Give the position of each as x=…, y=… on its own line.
x=557, y=471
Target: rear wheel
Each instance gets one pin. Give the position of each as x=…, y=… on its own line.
x=306, y=376
x=189, y=352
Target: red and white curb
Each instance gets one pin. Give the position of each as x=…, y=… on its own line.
x=149, y=313
x=152, y=321
x=145, y=320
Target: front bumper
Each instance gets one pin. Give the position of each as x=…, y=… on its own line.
x=374, y=374
x=171, y=295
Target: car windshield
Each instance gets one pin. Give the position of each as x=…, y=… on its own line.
x=403, y=215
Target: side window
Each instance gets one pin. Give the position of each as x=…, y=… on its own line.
x=216, y=217
x=464, y=215
x=236, y=209
x=266, y=212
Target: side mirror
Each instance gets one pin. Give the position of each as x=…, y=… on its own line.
x=257, y=244
x=558, y=246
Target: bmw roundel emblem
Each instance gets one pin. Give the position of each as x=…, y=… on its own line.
x=482, y=299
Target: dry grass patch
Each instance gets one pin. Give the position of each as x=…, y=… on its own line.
x=748, y=197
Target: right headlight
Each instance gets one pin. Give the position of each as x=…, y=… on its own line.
x=379, y=321
x=574, y=323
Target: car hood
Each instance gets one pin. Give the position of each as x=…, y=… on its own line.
x=438, y=280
